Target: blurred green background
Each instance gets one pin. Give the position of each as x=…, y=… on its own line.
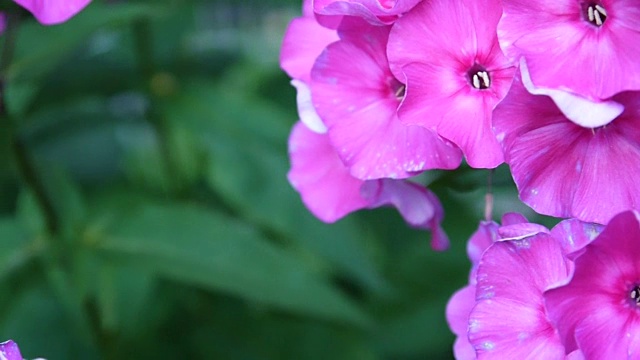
x=145, y=211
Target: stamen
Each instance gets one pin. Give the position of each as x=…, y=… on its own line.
x=400, y=92
x=635, y=295
x=479, y=78
x=596, y=14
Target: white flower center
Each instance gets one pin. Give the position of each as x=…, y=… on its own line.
x=635, y=294
x=596, y=14
x=479, y=78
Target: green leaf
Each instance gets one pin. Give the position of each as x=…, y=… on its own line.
x=246, y=139
x=41, y=48
x=16, y=246
x=201, y=247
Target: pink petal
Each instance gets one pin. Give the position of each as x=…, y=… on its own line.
x=509, y=320
x=458, y=310
x=513, y=218
x=306, y=110
x=576, y=108
x=324, y=183
x=418, y=206
x=376, y=12
x=482, y=238
x=50, y=12
x=303, y=42
x=9, y=351
x=520, y=231
x=575, y=234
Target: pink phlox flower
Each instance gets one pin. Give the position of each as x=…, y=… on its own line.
x=586, y=47
x=508, y=320
x=563, y=168
x=461, y=303
x=598, y=311
x=376, y=12
x=447, y=53
x=357, y=97
x=50, y=12
x=9, y=351
x=330, y=192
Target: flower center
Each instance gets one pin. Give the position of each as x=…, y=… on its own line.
x=479, y=78
x=635, y=295
x=400, y=92
x=595, y=14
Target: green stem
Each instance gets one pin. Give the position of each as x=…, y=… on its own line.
x=26, y=167
x=144, y=51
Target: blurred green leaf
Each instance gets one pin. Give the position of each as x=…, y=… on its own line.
x=41, y=48
x=246, y=140
x=202, y=247
x=16, y=246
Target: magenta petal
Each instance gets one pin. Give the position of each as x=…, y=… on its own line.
x=317, y=173
x=306, y=110
x=458, y=310
x=51, y=12
x=303, y=42
x=418, y=206
x=9, y=351
x=482, y=238
x=520, y=231
x=576, y=108
x=594, y=312
x=376, y=12
x=509, y=320
x=574, y=234
x=513, y=218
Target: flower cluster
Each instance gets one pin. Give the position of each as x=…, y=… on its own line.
x=569, y=292
x=388, y=89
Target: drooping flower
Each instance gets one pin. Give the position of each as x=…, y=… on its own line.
x=447, y=52
x=598, y=311
x=50, y=12
x=376, y=12
x=330, y=192
x=586, y=47
x=359, y=106
x=9, y=351
x=567, y=167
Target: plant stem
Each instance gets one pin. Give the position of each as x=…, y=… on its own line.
x=26, y=167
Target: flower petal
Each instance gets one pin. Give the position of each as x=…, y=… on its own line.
x=50, y=12
x=324, y=183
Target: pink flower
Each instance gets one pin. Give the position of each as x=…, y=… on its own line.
x=586, y=47
x=598, y=311
x=462, y=302
x=376, y=12
x=9, y=351
x=565, y=168
x=50, y=12
x=447, y=52
x=359, y=106
x=330, y=192
x=509, y=320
